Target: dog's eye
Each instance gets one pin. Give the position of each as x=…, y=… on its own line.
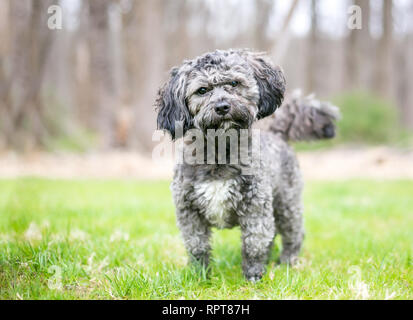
x=202, y=91
x=234, y=83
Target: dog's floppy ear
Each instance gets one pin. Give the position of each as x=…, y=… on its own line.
x=270, y=80
x=171, y=105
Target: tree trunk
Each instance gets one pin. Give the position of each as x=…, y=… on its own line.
x=404, y=70
x=101, y=63
x=23, y=116
x=146, y=55
x=263, y=10
x=384, y=74
x=313, y=43
x=281, y=44
x=358, y=47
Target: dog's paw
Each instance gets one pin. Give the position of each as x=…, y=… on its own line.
x=254, y=273
x=254, y=278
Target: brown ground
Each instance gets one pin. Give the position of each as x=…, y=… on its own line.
x=335, y=164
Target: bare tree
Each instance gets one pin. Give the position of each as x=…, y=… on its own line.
x=403, y=68
x=281, y=44
x=85, y=109
x=102, y=71
x=312, y=44
x=383, y=84
x=146, y=59
x=5, y=27
x=358, y=48
x=263, y=10
x=23, y=113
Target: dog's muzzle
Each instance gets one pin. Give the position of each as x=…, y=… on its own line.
x=222, y=108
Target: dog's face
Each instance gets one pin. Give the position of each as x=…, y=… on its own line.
x=220, y=90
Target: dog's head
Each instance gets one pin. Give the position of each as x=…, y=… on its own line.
x=220, y=90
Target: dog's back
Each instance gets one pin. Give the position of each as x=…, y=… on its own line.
x=302, y=119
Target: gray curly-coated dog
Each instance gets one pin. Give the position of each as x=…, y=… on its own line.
x=230, y=90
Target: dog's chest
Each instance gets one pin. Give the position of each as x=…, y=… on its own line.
x=216, y=200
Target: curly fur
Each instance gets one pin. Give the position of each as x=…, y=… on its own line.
x=264, y=203
x=303, y=119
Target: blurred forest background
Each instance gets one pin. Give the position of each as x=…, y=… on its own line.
x=92, y=84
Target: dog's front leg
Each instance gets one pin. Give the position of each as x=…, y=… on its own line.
x=196, y=234
x=258, y=231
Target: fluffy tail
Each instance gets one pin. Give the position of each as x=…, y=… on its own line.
x=304, y=118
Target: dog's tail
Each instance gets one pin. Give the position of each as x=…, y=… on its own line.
x=305, y=118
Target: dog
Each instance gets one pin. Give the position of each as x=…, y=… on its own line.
x=229, y=90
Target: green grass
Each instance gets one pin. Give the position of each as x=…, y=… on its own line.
x=367, y=118
x=118, y=240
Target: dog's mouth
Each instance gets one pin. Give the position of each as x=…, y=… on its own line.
x=227, y=124
x=237, y=118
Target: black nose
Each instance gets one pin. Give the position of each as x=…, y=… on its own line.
x=222, y=108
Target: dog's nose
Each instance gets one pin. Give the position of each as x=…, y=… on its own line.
x=222, y=108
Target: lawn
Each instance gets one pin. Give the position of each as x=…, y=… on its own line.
x=118, y=240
